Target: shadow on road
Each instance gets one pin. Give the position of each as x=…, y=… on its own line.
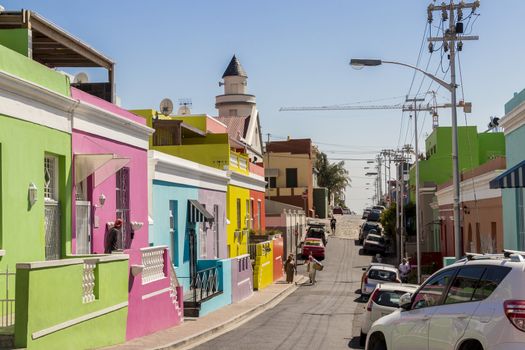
x=354, y=343
x=361, y=299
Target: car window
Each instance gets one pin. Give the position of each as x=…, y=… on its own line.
x=314, y=243
x=464, y=284
x=491, y=278
x=382, y=275
x=431, y=293
x=389, y=298
x=373, y=238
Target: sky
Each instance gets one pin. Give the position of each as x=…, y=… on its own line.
x=296, y=53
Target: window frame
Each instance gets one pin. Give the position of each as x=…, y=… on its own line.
x=454, y=271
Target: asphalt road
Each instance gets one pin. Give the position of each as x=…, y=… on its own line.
x=322, y=316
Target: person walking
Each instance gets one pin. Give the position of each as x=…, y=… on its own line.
x=333, y=222
x=289, y=268
x=404, y=270
x=112, y=237
x=312, y=267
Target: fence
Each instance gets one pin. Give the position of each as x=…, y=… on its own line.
x=7, y=303
x=205, y=284
x=153, y=261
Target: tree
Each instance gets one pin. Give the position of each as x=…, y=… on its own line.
x=332, y=176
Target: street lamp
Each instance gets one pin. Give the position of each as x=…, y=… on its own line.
x=360, y=63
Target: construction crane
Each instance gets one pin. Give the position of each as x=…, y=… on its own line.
x=467, y=107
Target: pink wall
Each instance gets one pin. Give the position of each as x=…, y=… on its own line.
x=84, y=143
x=84, y=96
x=256, y=169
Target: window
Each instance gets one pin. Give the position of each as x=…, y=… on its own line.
x=216, y=229
x=291, y=177
x=432, y=292
x=238, y=213
x=50, y=178
x=248, y=217
x=389, y=298
x=478, y=238
x=489, y=281
x=122, y=193
x=271, y=182
x=174, y=238
x=493, y=233
x=464, y=284
x=202, y=242
x=259, y=215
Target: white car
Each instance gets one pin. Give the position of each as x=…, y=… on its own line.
x=477, y=303
x=383, y=301
x=378, y=273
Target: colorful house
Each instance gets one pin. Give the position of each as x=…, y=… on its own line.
x=511, y=182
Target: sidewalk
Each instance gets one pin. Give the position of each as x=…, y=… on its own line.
x=197, y=330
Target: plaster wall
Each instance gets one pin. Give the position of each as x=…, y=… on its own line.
x=236, y=244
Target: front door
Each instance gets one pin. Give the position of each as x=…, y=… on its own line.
x=193, y=260
x=410, y=331
x=83, y=227
x=122, y=189
x=52, y=208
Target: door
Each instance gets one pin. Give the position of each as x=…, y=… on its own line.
x=410, y=330
x=122, y=192
x=83, y=227
x=51, y=208
x=193, y=257
x=216, y=230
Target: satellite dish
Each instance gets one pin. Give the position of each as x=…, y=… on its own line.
x=81, y=78
x=166, y=106
x=184, y=110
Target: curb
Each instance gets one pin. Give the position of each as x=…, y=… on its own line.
x=232, y=323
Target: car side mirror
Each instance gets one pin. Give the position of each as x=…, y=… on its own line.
x=405, y=301
x=364, y=269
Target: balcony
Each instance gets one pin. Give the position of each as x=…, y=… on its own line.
x=239, y=162
x=285, y=191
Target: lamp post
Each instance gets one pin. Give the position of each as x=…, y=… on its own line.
x=359, y=63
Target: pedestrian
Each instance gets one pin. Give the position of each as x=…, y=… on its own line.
x=112, y=237
x=404, y=270
x=313, y=266
x=333, y=221
x=289, y=268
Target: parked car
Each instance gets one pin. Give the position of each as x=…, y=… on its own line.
x=374, y=215
x=374, y=243
x=477, y=303
x=347, y=211
x=379, y=207
x=383, y=301
x=314, y=245
x=366, y=227
x=365, y=213
x=317, y=232
x=378, y=273
x=337, y=210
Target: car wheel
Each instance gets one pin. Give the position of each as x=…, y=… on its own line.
x=362, y=339
x=379, y=346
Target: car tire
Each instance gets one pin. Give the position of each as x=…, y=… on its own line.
x=379, y=346
x=362, y=339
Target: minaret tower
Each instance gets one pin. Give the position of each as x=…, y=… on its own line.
x=235, y=101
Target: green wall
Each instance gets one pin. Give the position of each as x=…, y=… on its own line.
x=23, y=146
x=49, y=296
x=16, y=39
x=491, y=144
x=19, y=65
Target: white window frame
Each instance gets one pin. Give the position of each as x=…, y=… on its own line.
x=51, y=188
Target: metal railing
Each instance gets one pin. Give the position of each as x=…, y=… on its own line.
x=205, y=284
x=7, y=303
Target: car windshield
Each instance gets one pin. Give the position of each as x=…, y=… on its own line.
x=314, y=243
x=382, y=275
x=374, y=238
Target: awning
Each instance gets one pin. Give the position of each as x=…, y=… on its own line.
x=511, y=178
x=197, y=212
x=101, y=166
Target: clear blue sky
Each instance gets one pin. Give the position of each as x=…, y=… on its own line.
x=296, y=53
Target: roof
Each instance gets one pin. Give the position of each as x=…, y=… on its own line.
x=234, y=69
x=237, y=127
x=293, y=146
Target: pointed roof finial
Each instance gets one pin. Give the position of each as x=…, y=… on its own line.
x=234, y=69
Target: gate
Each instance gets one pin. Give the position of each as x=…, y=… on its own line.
x=7, y=301
x=83, y=227
x=52, y=227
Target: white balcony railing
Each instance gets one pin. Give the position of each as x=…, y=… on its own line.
x=243, y=164
x=88, y=281
x=234, y=161
x=153, y=261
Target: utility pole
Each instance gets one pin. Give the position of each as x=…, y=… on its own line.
x=379, y=180
x=418, y=208
x=449, y=40
x=269, y=179
x=402, y=205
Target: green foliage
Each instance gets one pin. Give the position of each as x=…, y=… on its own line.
x=332, y=176
x=388, y=220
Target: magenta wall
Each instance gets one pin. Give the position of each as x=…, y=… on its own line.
x=84, y=143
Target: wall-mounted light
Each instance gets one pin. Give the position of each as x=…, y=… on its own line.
x=136, y=225
x=32, y=194
x=101, y=201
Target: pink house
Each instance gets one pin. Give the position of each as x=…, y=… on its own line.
x=110, y=180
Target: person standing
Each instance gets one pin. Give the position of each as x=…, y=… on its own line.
x=404, y=270
x=312, y=267
x=289, y=269
x=112, y=238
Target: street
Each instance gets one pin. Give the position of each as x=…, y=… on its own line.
x=323, y=316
